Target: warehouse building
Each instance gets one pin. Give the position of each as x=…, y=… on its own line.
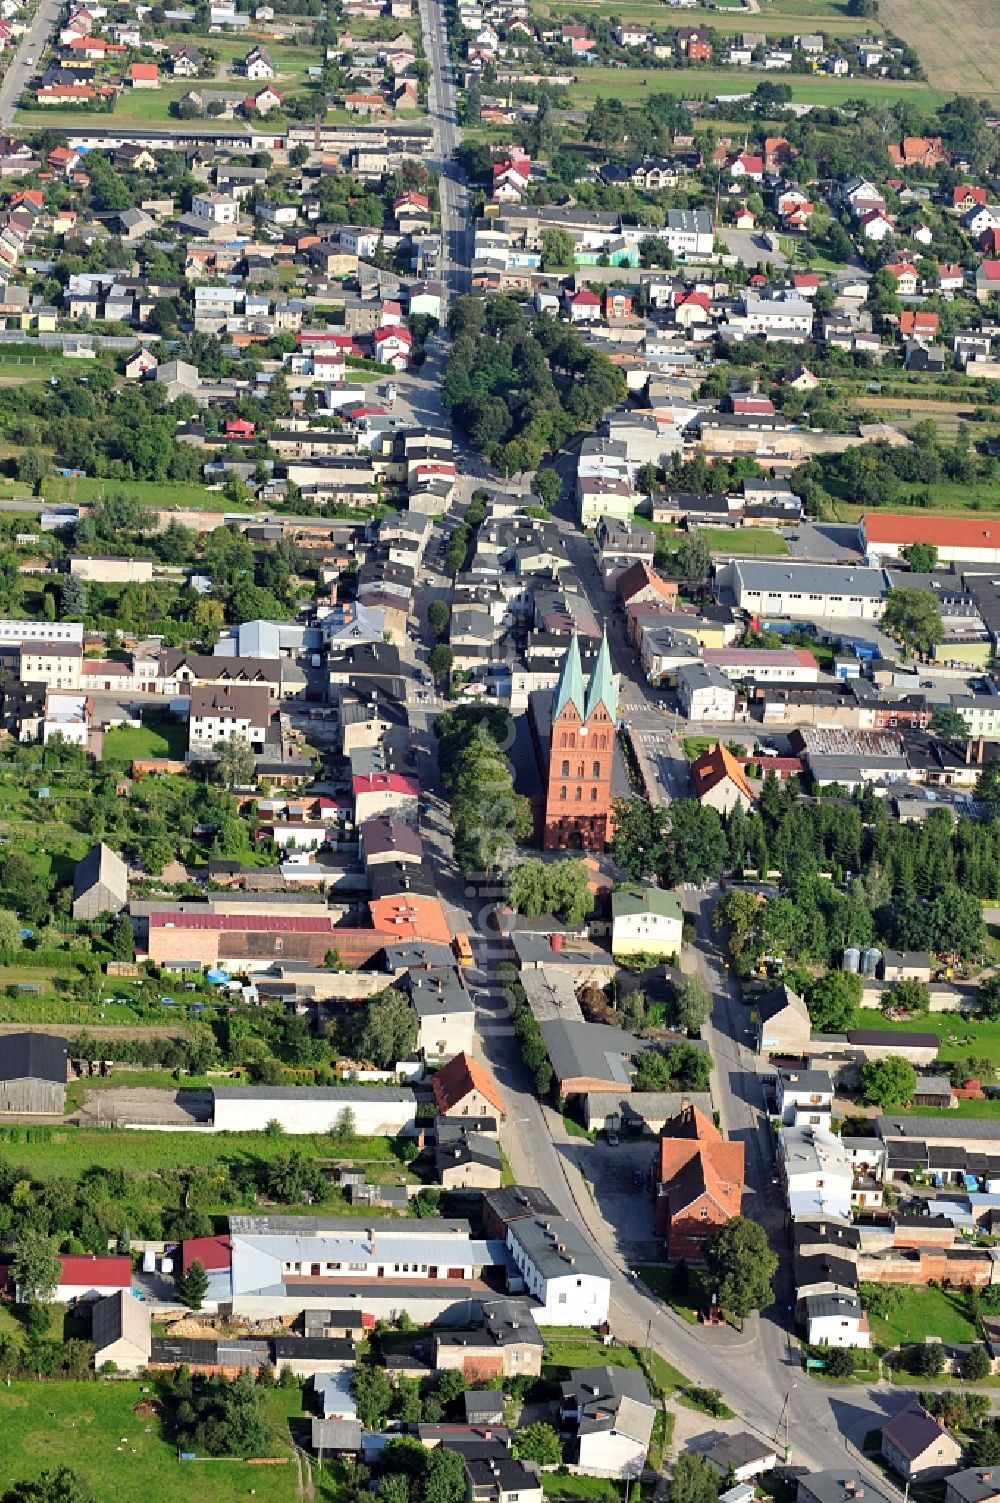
x=959, y=540
x=805, y=592
x=378, y=1111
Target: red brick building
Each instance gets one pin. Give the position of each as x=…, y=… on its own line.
x=699, y=1186
x=580, y=752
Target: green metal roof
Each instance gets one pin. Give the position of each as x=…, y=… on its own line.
x=626, y=901
x=569, y=690
x=601, y=689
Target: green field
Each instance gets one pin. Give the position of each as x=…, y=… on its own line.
x=807, y=17
x=91, y=1428
x=924, y=1312
x=755, y=542
x=160, y=736
x=633, y=87
x=960, y=1036
x=71, y=1151
x=591, y=1489
x=946, y=497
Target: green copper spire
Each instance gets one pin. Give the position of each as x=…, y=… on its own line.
x=601, y=688
x=569, y=690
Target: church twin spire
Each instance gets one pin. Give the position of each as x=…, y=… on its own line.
x=600, y=688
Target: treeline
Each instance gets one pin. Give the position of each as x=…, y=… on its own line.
x=488, y=816
x=521, y=387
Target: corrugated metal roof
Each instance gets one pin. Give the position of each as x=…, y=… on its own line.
x=237, y=922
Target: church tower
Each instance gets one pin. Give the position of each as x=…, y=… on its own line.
x=581, y=751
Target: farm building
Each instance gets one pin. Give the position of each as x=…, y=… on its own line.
x=121, y=1332
x=100, y=883
x=32, y=1073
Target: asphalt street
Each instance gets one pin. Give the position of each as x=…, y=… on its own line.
x=20, y=69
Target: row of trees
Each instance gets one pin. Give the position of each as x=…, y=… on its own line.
x=487, y=815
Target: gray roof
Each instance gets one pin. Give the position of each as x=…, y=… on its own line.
x=975, y=1484
x=120, y=1316
x=33, y=1056
x=336, y=1434
x=839, y=1485
x=611, y=1399
x=840, y=1306
x=810, y=579
x=739, y=1450
x=336, y=1095
x=484, y=1407
x=541, y=1240
x=962, y=1129
x=805, y=1080
x=437, y=989
x=101, y=865
x=590, y=1049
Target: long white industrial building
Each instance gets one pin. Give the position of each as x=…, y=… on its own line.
x=378, y=1111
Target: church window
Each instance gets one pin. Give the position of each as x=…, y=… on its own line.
x=579, y=795
x=565, y=767
x=562, y=793
x=593, y=795
x=597, y=769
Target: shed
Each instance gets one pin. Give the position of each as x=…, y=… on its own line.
x=32, y=1073
x=121, y=1332
x=100, y=883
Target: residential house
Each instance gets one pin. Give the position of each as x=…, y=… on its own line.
x=919, y=1447
x=645, y=920
x=718, y=780
x=698, y=1183
x=743, y=1456
x=609, y=1414
x=100, y=883
x=120, y=1332
x=465, y=1088
x=705, y=693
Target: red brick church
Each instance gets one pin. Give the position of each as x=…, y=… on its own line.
x=581, y=745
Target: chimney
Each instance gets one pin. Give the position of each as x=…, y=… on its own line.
x=555, y=942
x=968, y=752
x=981, y=751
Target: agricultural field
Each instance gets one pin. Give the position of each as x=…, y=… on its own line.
x=959, y=48
x=770, y=21
x=633, y=87
x=92, y=1428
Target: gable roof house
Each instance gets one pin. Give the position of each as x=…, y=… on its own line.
x=719, y=781
x=917, y=1446
x=464, y=1088
x=783, y=1023
x=611, y=1414
x=699, y=1183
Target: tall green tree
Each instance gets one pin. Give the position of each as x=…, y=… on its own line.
x=741, y=1266
x=192, y=1285
x=36, y=1268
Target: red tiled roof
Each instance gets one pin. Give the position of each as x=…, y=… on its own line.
x=394, y=782
x=210, y=1252
x=965, y=532
x=459, y=1077
x=90, y=1271
x=255, y=923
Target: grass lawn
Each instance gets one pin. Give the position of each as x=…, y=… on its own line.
x=924, y=1312
x=632, y=86
x=564, y=1485
x=158, y=493
x=758, y=542
x=91, y=1428
x=18, y=370
x=159, y=736
x=945, y=497
x=960, y=1036
x=695, y=746
x=664, y=1282
x=70, y=1150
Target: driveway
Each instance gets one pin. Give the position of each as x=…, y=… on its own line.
x=625, y=1205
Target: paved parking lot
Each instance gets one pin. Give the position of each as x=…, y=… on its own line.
x=624, y=1204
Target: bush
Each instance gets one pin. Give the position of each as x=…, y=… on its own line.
x=839, y=1361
